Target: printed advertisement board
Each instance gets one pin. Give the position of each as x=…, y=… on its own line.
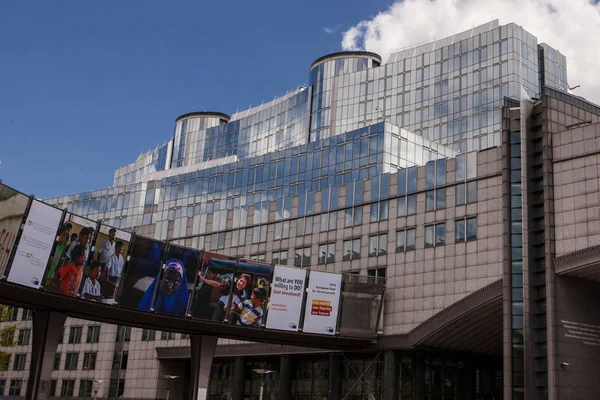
x=35, y=246
x=285, y=303
x=138, y=284
x=13, y=206
x=177, y=281
x=106, y=265
x=322, y=303
x=250, y=294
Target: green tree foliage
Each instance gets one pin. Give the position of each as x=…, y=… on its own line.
x=7, y=334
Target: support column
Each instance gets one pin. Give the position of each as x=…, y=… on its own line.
x=390, y=375
x=418, y=376
x=47, y=331
x=285, y=378
x=336, y=368
x=239, y=378
x=203, y=352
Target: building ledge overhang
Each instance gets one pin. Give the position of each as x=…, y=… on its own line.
x=584, y=263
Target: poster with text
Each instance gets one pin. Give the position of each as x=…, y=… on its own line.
x=75, y=231
x=285, y=303
x=322, y=303
x=249, y=294
x=106, y=265
x=13, y=206
x=142, y=272
x=35, y=245
x=213, y=286
x=177, y=281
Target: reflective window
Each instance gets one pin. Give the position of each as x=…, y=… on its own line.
x=460, y=194
x=430, y=175
x=412, y=179
x=383, y=210
x=378, y=245
x=472, y=192
x=430, y=200
x=402, y=181
x=440, y=199
x=472, y=228
x=459, y=230
x=400, y=241
x=410, y=239
x=411, y=203
x=374, y=212
x=401, y=206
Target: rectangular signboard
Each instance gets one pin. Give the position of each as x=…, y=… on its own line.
x=36, y=243
x=322, y=303
x=13, y=206
x=138, y=284
x=287, y=293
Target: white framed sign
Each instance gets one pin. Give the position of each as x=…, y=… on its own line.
x=35, y=246
x=322, y=303
x=287, y=293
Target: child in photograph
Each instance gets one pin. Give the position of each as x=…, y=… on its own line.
x=224, y=284
x=91, y=287
x=69, y=276
x=85, y=237
x=60, y=249
x=251, y=311
x=115, y=263
x=173, y=294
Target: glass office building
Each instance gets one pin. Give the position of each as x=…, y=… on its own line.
x=376, y=168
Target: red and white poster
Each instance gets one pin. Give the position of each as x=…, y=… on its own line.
x=322, y=303
x=287, y=293
x=35, y=245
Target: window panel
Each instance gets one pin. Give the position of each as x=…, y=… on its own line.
x=400, y=241
x=430, y=200
x=411, y=208
x=401, y=206
x=471, y=228
x=459, y=231
x=372, y=246
x=440, y=199
x=410, y=239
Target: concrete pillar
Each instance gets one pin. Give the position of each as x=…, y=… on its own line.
x=390, y=375
x=336, y=368
x=419, y=376
x=47, y=331
x=239, y=378
x=285, y=378
x=203, y=352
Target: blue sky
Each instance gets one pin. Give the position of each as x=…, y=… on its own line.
x=86, y=86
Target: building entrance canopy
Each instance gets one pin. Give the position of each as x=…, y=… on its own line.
x=119, y=277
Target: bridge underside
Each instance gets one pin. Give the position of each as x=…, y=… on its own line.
x=34, y=299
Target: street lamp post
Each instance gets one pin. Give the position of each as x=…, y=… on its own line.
x=97, y=383
x=169, y=377
x=263, y=379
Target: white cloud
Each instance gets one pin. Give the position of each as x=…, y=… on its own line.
x=331, y=30
x=570, y=26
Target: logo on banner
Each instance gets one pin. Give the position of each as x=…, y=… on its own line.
x=321, y=307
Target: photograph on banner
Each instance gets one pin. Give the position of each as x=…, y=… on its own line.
x=138, y=283
x=213, y=286
x=13, y=206
x=250, y=294
x=322, y=303
x=75, y=232
x=285, y=302
x=102, y=275
x=176, y=282
x=35, y=246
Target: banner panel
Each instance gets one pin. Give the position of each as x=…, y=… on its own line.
x=177, y=281
x=13, y=206
x=285, y=303
x=142, y=274
x=101, y=278
x=75, y=232
x=322, y=303
x=213, y=287
x=35, y=245
x=249, y=294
